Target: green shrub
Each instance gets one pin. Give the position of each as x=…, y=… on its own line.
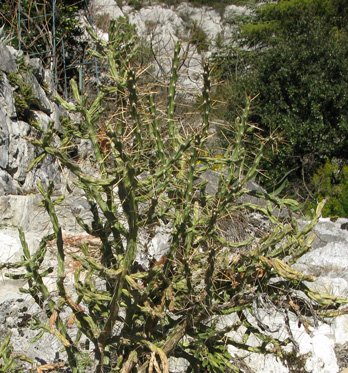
x=21, y=106
x=149, y=172
x=13, y=78
x=24, y=99
x=282, y=61
x=137, y=5
x=331, y=182
x=198, y=37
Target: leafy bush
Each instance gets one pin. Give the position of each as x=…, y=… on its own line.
x=295, y=65
x=137, y=5
x=331, y=182
x=23, y=100
x=149, y=172
x=198, y=37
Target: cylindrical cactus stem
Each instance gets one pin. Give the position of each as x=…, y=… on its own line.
x=206, y=98
x=172, y=125
x=155, y=129
x=133, y=101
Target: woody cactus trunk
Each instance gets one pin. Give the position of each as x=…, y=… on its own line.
x=148, y=173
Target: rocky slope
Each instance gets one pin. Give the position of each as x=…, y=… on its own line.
x=201, y=31
x=323, y=349
x=23, y=99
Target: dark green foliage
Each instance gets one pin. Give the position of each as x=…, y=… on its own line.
x=23, y=100
x=137, y=5
x=297, y=69
x=285, y=18
x=21, y=106
x=302, y=87
x=198, y=37
x=8, y=14
x=331, y=182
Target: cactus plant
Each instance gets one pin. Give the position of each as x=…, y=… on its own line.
x=149, y=172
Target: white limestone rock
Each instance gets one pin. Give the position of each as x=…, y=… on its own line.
x=40, y=99
x=159, y=26
x=236, y=10
x=10, y=246
x=37, y=68
x=6, y=97
x=4, y=139
x=7, y=184
x=7, y=60
x=330, y=251
x=206, y=18
x=109, y=7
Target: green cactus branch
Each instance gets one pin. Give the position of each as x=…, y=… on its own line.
x=172, y=124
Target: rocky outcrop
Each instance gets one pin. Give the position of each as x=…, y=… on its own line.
x=200, y=29
x=7, y=60
x=22, y=100
x=327, y=260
